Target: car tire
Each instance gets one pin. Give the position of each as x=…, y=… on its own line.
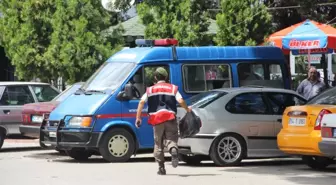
x=2, y=138
x=226, y=145
x=317, y=162
x=124, y=145
x=77, y=154
x=191, y=160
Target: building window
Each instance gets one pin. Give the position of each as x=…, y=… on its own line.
x=205, y=77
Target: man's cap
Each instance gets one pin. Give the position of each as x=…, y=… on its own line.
x=161, y=71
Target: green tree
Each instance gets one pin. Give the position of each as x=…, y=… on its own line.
x=291, y=14
x=48, y=39
x=184, y=20
x=243, y=22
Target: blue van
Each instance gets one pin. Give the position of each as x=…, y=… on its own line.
x=99, y=118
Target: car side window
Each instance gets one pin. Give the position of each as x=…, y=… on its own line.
x=144, y=78
x=16, y=95
x=247, y=103
x=279, y=101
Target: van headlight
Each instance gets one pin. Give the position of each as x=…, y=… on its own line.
x=80, y=121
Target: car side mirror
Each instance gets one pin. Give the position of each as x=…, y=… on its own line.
x=126, y=94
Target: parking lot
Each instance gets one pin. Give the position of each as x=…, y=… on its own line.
x=23, y=162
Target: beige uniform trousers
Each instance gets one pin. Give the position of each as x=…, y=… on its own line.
x=165, y=135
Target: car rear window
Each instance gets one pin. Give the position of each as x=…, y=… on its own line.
x=327, y=97
x=203, y=99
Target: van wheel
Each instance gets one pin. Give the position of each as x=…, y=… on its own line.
x=80, y=155
x=191, y=160
x=317, y=162
x=227, y=150
x=2, y=138
x=117, y=145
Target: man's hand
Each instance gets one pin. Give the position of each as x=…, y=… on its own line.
x=138, y=123
x=189, y=109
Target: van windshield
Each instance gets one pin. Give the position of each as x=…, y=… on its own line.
x=109, y=76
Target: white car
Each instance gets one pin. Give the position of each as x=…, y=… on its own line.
x=328, y=132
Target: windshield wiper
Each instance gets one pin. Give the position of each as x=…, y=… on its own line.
x=89, y=92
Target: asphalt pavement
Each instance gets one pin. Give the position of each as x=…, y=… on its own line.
x=23, y=162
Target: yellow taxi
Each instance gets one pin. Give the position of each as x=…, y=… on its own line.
x=301, y=129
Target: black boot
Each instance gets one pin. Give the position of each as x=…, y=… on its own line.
x=175, y=159
x=162, y=170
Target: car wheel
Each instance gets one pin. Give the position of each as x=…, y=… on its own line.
x=117, y=145
x=80, y=155
x=191, y=160
x=2, y=138
x=227, y=150
x=317, y=162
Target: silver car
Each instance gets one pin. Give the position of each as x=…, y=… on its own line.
x=13, y=95
x=237, y=123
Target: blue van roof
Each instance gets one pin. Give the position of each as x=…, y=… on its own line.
x=204, y=53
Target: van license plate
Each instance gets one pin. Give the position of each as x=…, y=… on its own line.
x=52, y=134
x=297, y=121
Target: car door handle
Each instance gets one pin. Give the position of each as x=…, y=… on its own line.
x=279, y=120
x=6, y=111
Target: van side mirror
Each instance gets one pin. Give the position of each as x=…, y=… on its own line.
x=126, y=94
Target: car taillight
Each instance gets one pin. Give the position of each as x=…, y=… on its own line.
x=326, y=132
x=319, y=118
x=25, y=118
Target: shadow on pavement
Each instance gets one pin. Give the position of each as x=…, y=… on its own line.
x=298, y=172
x=192, y=175
x=21, y=149
x=97, y=159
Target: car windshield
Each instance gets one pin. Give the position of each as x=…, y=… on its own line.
x=203, y=99
x=67, y=92
x=44, y=93
x=109, y=76
x=327, y=97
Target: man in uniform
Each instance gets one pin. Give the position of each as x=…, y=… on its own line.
x=162, y=99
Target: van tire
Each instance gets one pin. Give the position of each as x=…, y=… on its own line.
x=77, y=154
x=2, y=137
x=317, y=162
x=218, y=142
x=124, y=142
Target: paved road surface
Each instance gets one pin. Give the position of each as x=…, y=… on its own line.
x=23, y=163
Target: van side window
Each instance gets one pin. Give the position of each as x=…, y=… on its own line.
x=144, y=78
x=205, y=77
x=269, y=75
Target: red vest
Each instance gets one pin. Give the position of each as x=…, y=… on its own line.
x=161, y=103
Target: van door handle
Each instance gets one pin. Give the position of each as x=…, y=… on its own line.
x=279, y=120
x=6, y=111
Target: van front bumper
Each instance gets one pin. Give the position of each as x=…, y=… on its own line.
x=64, y=139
